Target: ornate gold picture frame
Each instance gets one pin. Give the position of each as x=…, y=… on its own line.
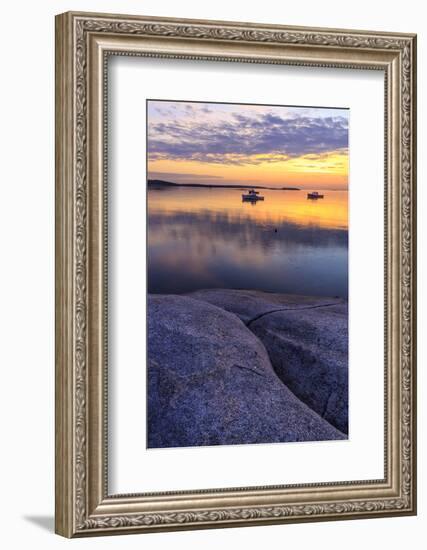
x=84, y=43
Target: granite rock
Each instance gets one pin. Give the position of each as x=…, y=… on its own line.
x=306, y=339
x=211, y=382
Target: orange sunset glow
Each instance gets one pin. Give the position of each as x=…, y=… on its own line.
x=277, y=208
x=210, y=143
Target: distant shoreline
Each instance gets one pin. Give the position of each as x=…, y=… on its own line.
x=163, y=183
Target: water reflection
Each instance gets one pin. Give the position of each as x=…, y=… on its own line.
x=208, y=238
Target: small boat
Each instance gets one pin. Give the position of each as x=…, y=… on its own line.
x=314, y=195
x=252, y=195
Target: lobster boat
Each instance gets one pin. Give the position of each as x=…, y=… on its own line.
x=252, y=195
x=314, y=195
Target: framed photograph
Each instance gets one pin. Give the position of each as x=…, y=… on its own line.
x=235, y=274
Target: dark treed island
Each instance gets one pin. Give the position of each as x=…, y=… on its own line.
x=162, y=183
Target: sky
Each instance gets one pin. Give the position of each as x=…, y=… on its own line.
x=275, y=146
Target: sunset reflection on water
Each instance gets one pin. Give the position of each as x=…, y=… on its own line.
x=208, y=238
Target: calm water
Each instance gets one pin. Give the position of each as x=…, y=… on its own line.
x=209, y=238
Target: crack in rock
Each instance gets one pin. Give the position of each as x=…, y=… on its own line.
x=261, y=315
x=252, y=370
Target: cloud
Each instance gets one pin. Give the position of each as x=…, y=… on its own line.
x=245, y=138
x=182, y=177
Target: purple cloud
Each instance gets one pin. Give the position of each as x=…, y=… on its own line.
x=239, y=138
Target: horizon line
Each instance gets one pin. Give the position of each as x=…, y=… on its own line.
x=267, y=186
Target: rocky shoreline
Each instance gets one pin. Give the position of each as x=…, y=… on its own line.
x=237, y=366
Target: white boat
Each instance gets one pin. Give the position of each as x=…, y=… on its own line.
x=314, y=195
x=252, y=195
